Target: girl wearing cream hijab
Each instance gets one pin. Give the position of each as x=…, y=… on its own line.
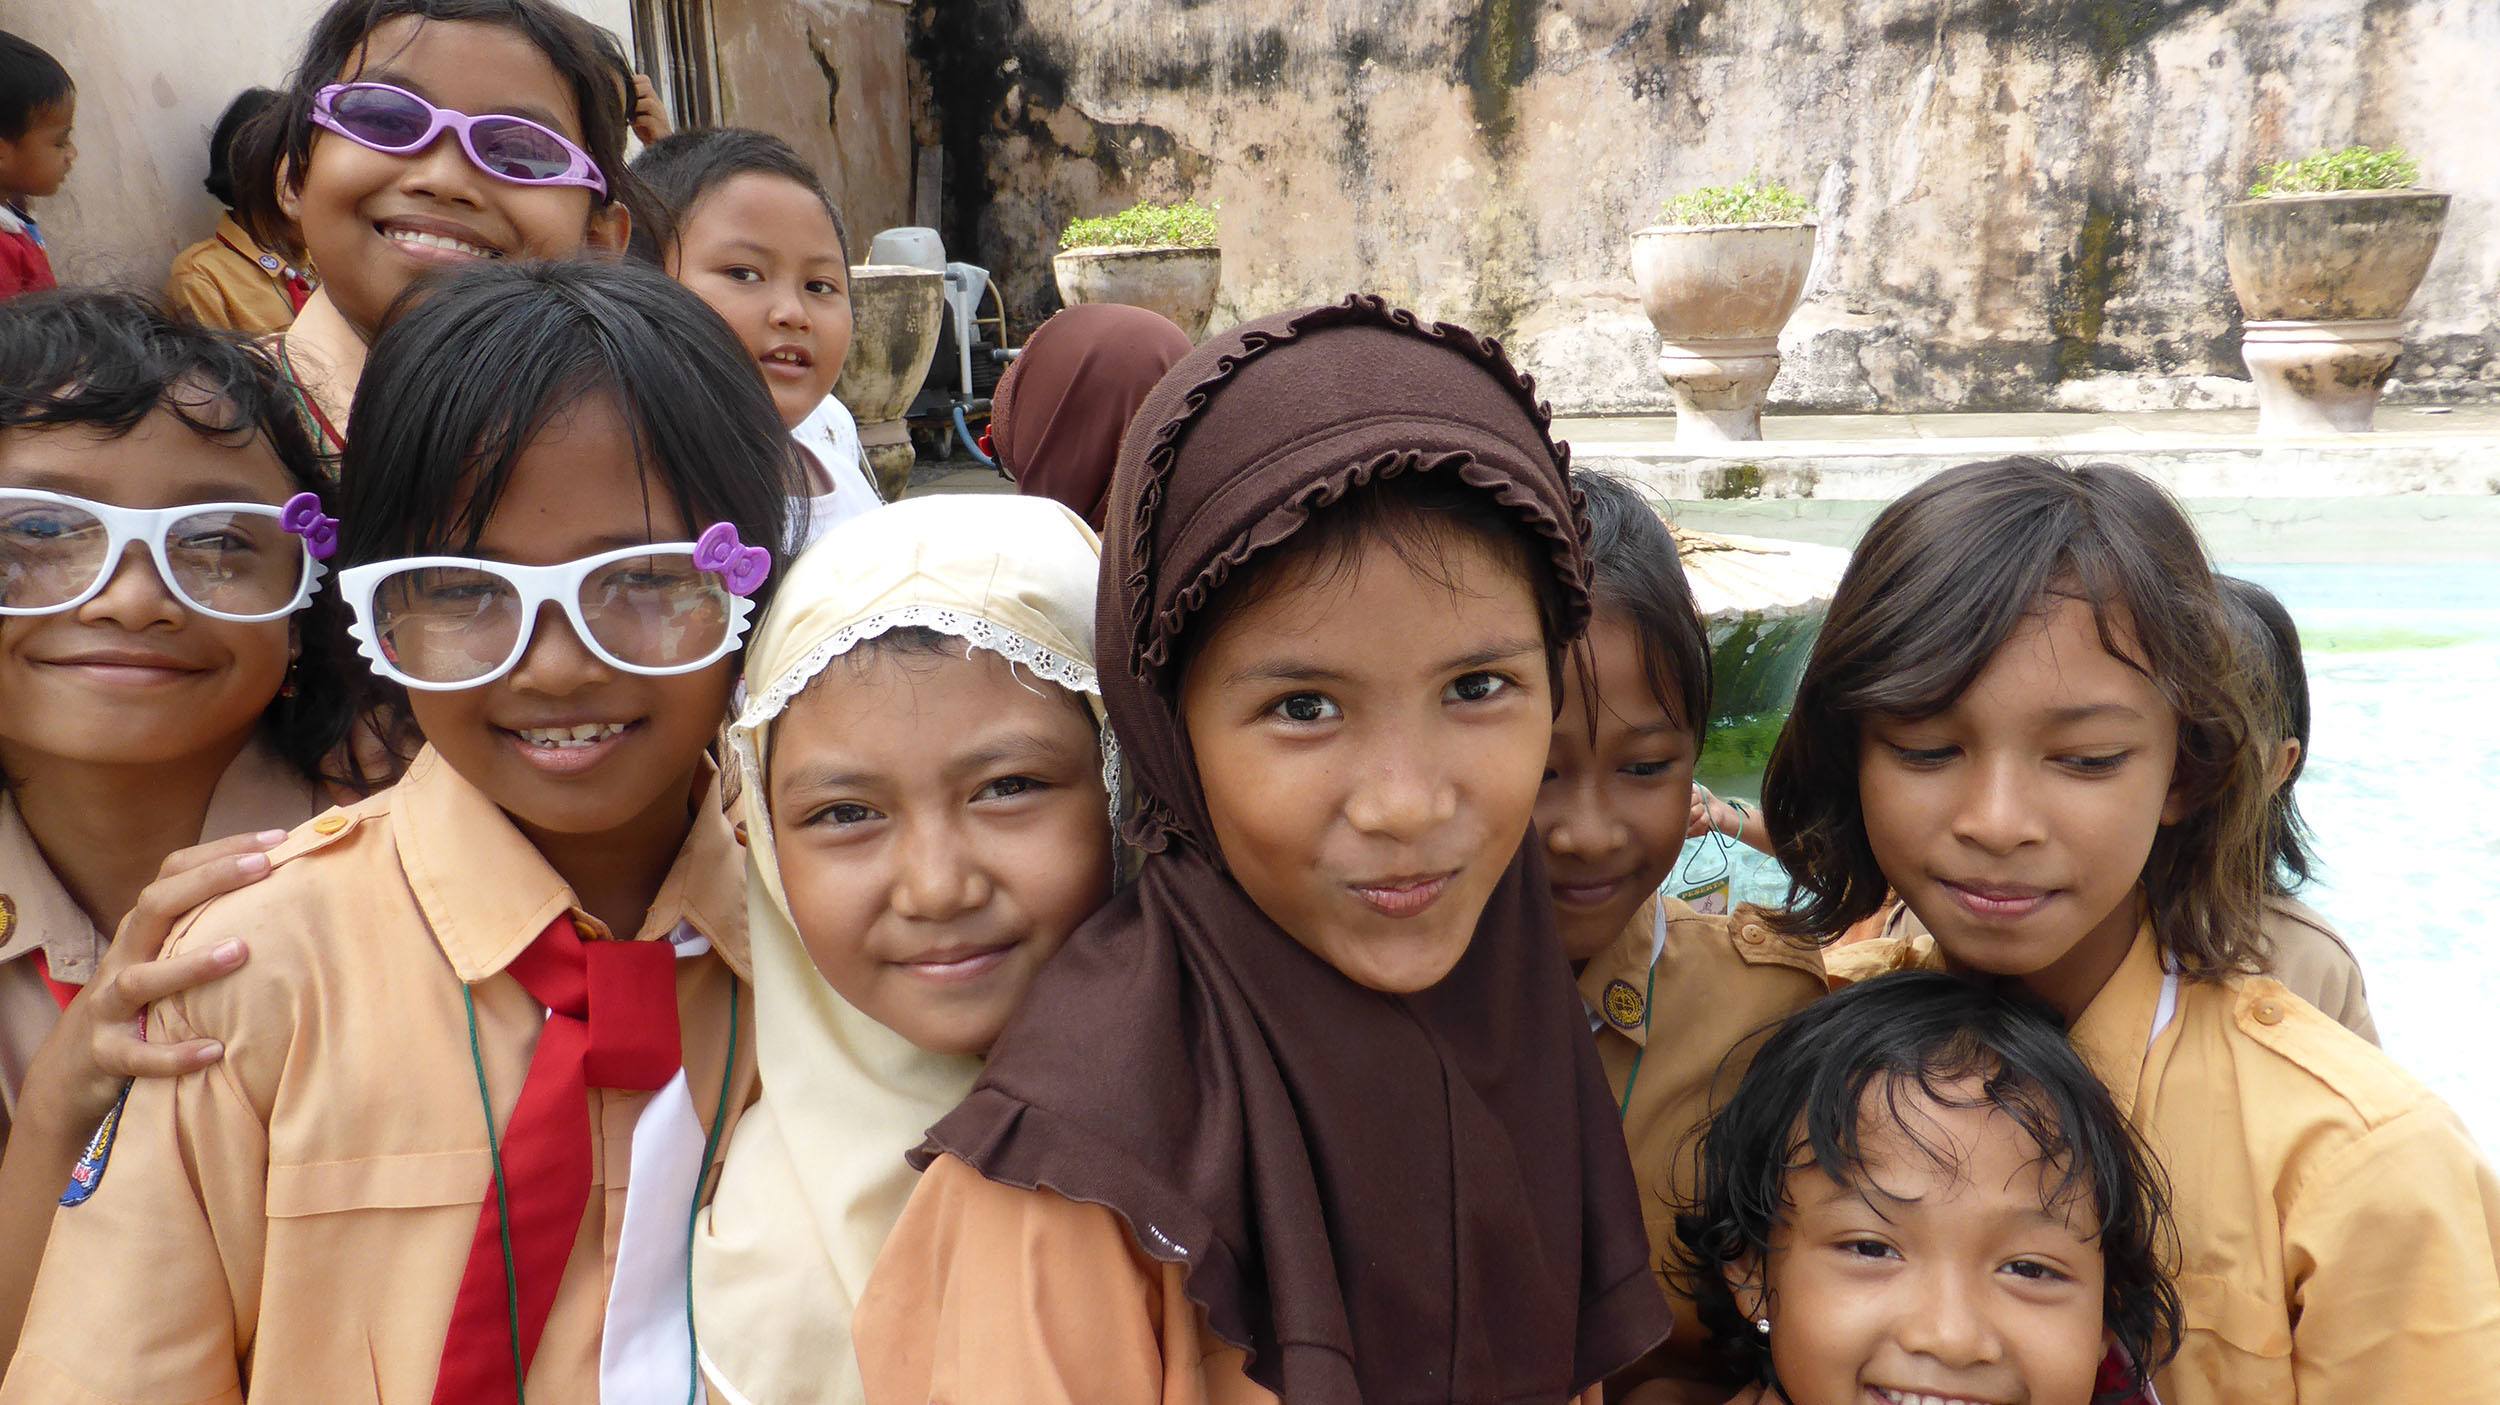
x=926, y=815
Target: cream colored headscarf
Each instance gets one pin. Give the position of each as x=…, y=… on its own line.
x=815, y=1175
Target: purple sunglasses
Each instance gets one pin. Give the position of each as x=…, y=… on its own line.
x=399, y=122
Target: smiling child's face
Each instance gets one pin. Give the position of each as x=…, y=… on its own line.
x=2016, y=823
x=942, y=827
x=763, y=251
x=1370, y=743
x=1955, y=1278
x=375, y=222
x=576, y=490
x=1612, y=811
x=134, y=676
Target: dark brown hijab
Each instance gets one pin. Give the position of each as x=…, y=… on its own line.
x=1058, y=413
x=1382, y=1198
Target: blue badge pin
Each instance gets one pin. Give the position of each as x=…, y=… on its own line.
x=89, y=1172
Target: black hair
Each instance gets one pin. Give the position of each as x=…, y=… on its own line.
x=678, y=170
x=248, y=104
x=1942, y=579
x=279, y=141
x=2272, y=643
x=105, y=361
x=30, y=81
x=1856, y=1062
x=1634, y=568
x=472, y=363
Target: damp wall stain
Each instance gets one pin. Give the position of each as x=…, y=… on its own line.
x=2021, y=199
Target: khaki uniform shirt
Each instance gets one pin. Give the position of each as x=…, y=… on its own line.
x=2303, y=951
x=259, y=791
x=221, y=282
x=987, y=1294
x=1710, y=990
x=2340, y=1233
x=291, y=1224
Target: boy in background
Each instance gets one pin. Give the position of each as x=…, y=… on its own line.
x=37, y=105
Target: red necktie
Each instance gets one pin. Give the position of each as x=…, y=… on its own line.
x=62, y=991
x=611, y=1023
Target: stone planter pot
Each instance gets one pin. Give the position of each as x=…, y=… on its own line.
x=1179, y=283
x=1718, y=296
x=895, y=318
x=2323, y=281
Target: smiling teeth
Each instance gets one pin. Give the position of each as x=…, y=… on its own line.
x=570, y=738
x=441, y=241
x=1904, y=1397
x=787, y=358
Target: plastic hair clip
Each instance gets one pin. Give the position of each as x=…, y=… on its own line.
x=303, y=516
x=741, y=567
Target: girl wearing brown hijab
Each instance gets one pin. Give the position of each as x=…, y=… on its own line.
x=1058, y=413
x=1309, y=1110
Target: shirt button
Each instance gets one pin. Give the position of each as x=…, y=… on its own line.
x=329, y=824
x=2269, y=1012
x=1755, y=936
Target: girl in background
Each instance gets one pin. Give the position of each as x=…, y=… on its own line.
x=751, y=230
x=1058, y=414
x=420, y=135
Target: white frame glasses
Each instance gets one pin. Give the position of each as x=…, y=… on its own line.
x=538, y=587
x=125, y=525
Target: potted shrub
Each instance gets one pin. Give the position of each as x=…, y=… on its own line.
x=896, y=312
x=1160, y=257
x=1719, y=276
x=2324, y=255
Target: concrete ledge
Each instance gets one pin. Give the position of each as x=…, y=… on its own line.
x=2213, y=454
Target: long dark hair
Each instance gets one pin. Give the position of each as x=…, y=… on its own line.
x=105, y=361
x=1941, y=580
x=278, y=143
x=1854, y=1063
x=2272, y=642
x=472, y=364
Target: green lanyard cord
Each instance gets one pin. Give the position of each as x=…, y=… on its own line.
x=1634, y=1077
x=694, y=1212
x=503, y=1206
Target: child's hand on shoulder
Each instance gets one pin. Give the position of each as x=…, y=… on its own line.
x=78, y=1072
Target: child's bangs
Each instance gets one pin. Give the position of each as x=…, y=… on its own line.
x=1962, y=1076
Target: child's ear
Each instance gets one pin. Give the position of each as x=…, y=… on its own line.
x=610, y=225
x=1744, y=1281
x=2286, y=760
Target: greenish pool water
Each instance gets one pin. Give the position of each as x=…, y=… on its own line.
x=2402, y=790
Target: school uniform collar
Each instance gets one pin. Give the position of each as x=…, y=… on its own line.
x=1616, y=979
x=487, y=892
x=36, y=912
x=2115, y=1031
x=234, y=236
x=258, y=791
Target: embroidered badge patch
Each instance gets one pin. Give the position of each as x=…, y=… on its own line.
x=1623, y=1006
x=8, y=918
x=89, y=1172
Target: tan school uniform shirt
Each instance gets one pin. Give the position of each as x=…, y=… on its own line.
x=2340, y=1232
x=259, y=791
x=290, y=1225
x=1678, y=1014
x=2303, y=951
x=987, y=1294
x=228, y=280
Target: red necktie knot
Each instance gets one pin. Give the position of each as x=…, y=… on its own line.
x=633, y=1014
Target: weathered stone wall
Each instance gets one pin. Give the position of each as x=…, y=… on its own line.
x=2020, y=198
x=829, y=77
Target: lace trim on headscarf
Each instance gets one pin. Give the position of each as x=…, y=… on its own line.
x=1040, y=660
